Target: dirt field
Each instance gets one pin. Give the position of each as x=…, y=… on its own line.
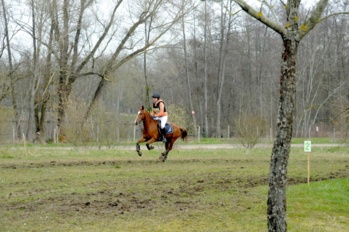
x=86, y=189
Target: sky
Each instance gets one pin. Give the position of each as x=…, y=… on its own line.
x=23, y=11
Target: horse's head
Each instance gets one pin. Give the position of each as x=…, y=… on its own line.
x=140, y=115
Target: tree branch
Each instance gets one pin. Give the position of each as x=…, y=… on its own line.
x=100, y=40
x=313, y=20
x=331, y=15
x=260, y=17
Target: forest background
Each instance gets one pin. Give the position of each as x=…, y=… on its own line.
x=81, y=69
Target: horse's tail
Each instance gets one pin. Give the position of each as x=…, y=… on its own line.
x=184, y=133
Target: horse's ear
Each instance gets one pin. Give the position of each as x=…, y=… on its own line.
x=142, y=107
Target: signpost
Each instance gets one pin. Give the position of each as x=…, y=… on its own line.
x=307, y=149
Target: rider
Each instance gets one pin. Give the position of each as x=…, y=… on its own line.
x=160, y=113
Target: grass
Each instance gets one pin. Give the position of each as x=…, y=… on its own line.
x=321, y=206
x=195, y=190
x=190, y=140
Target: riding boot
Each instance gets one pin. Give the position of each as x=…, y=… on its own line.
x=163, y=135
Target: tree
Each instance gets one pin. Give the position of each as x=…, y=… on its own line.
x=156, y=29
x=291, y=32
x=225, y=30
x=187, y=73
x=205, y=75
x=11, y=69
x=80, y=45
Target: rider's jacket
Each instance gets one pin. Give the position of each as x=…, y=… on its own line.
x=156, y=108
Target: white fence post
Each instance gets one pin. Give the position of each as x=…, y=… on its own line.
x=199, y=134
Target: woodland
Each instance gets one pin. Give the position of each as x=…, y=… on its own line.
x=84, y=67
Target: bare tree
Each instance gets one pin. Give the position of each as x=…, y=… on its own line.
x=187, y=73
x=11, y=69
x=291, y=33
x=314, y=80
x=205, y=75
x=158, y=28
x=225, y=27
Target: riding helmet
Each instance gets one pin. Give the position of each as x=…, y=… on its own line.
x=156, y=95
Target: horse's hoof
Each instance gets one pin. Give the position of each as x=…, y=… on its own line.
x=150, y=147
x=163, y=157
x=139, y=153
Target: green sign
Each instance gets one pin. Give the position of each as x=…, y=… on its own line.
x=307, y=146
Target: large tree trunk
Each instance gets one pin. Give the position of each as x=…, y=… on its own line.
x=10, y=74
x=31, y=128
x=42, y=97
x=281, y=149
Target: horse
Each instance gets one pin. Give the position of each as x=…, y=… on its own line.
x=151, y=133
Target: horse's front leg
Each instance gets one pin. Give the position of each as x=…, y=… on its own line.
x=150, y=147
x=138, y=147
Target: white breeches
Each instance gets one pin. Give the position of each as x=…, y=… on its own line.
x=163, y=121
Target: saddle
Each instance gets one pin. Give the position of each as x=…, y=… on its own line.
x=168, y=128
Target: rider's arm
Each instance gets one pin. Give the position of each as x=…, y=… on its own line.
x=161, y=112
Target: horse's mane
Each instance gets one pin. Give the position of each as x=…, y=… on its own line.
x=148, y=116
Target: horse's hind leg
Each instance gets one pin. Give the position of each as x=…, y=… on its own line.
x=168, y=147
x=163, y=156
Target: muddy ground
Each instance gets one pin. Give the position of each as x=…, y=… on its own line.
x=105, y=195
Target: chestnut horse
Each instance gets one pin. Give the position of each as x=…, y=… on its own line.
x=151, y=133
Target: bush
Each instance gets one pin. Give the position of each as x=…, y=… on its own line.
x=180, y=116
x=249, y=130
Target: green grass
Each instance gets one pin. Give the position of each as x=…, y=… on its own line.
x=190, y=140
x=321, y=206
x=60, y=189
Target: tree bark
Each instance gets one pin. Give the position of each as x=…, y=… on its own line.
x=43, y=96
x=10, y=74
x=280, y=153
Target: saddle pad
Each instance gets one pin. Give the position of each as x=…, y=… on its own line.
x=168, y=128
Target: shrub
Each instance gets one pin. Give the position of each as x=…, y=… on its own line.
x=249, y=130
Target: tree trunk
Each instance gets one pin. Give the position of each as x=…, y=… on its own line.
x=30, y=134
x=42, y=98
x=96, y=96
x=186, y=64
x=147, y=88
x=205, y=77
x=10, y=74
x=281, y=149
x=223, y=52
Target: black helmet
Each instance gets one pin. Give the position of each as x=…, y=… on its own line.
x=156, y=95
